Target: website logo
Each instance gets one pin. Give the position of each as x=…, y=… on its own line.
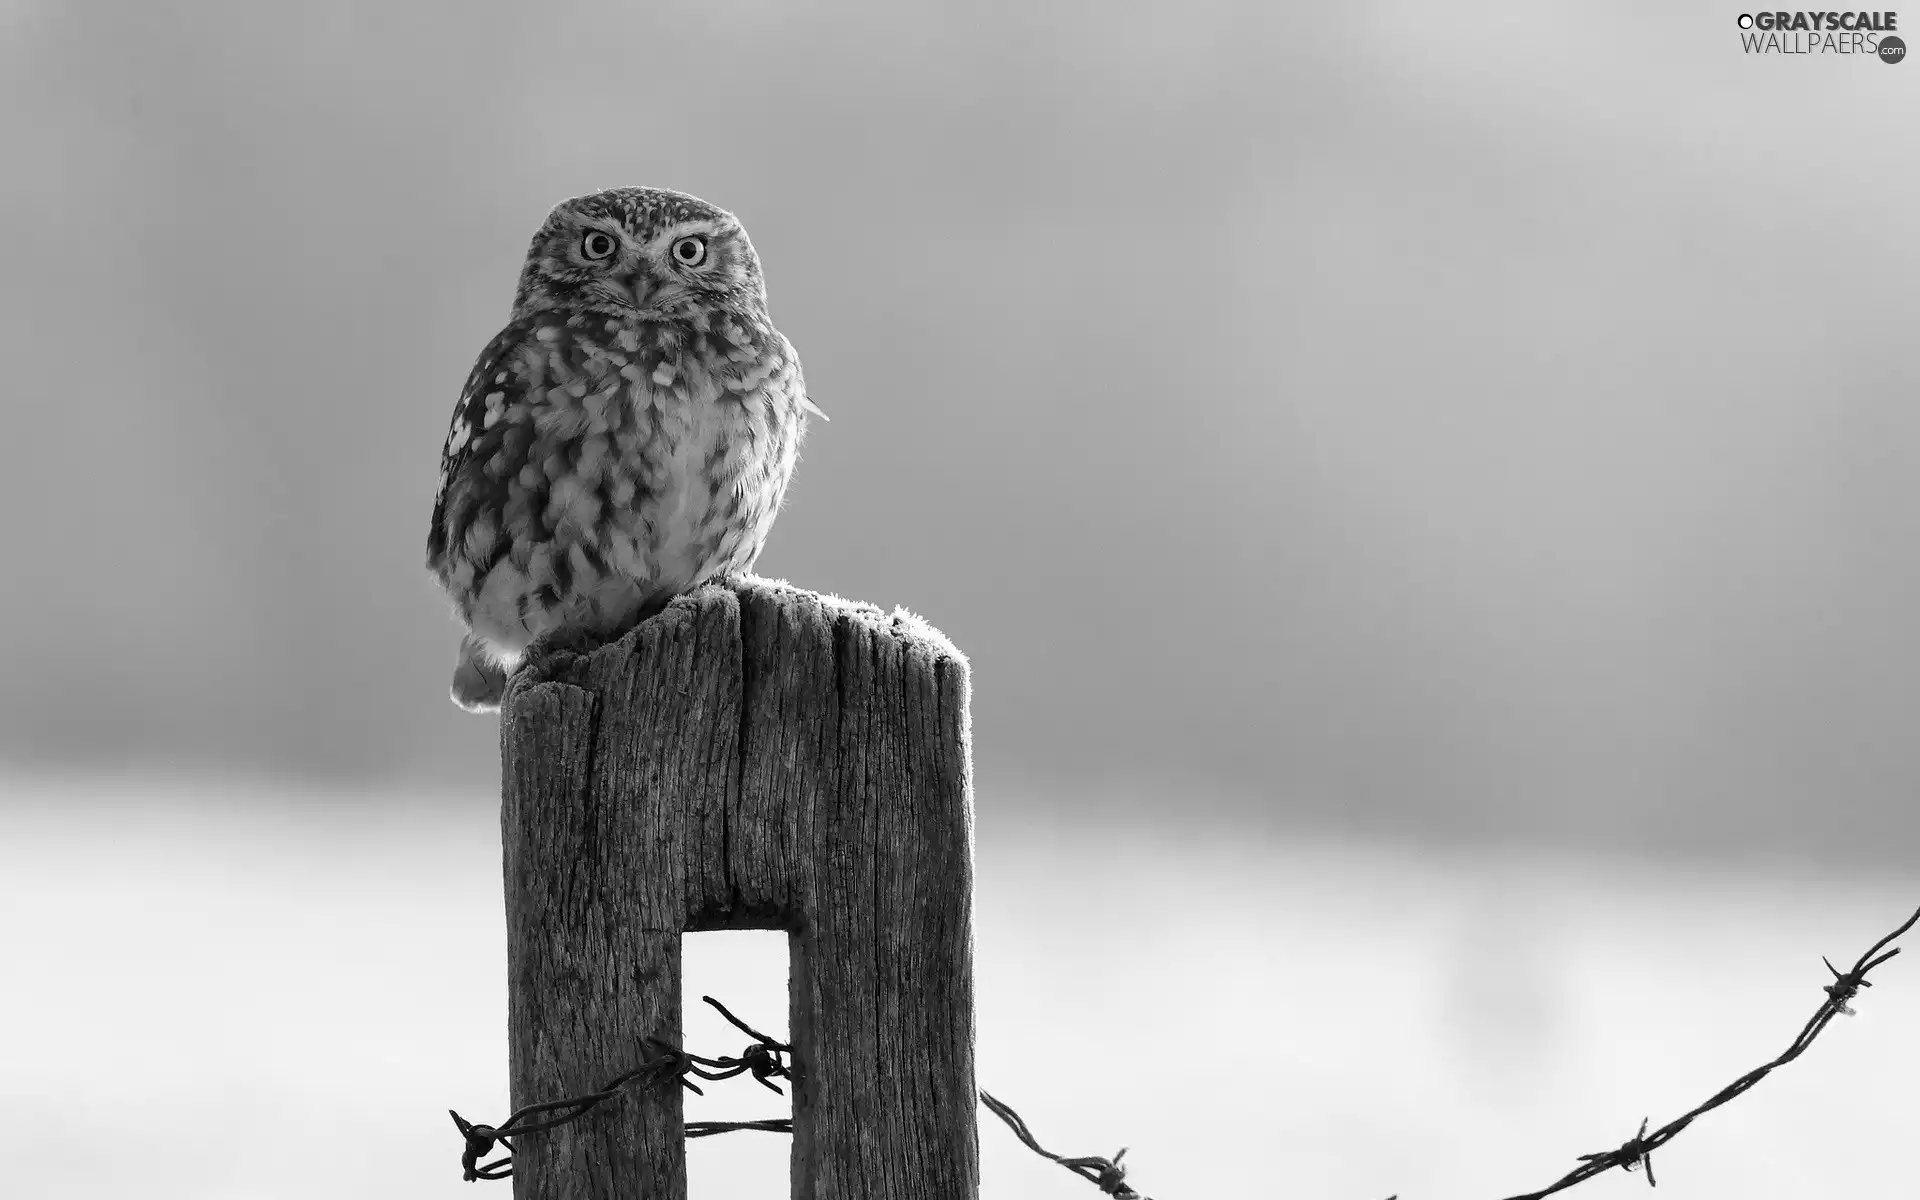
x=1865, y=34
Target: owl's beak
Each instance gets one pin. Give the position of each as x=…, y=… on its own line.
x=641, y=285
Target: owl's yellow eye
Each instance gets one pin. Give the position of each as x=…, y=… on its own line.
x=597, y=244
x=689, y=251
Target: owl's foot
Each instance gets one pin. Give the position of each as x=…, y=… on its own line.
x=479, y=683
x=566, y=639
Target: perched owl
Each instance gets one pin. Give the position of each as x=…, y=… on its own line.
x=629, y=434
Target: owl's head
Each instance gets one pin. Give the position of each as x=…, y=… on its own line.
x=639, y=251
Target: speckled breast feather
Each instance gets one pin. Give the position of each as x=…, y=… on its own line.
x=598, y=465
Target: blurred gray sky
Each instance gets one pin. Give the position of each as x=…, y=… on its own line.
x=1465, y=418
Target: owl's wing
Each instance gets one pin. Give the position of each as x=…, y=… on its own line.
x=471, y=439
x=532, y=392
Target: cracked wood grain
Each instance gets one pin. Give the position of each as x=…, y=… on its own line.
x=760, y=757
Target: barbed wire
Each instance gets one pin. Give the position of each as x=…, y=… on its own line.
x=1637, y=1151
x=1106, y=1173
x=767, y=1059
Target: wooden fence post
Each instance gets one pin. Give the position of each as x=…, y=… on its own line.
x=755, y=757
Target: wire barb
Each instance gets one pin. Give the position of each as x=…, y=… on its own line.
x=766, y=1060
x=1638, y=1150
x=1109, y=1174
x=1632, y=1154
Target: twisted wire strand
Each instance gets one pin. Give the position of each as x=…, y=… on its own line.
x=766, y=1059
x=1637, y=1151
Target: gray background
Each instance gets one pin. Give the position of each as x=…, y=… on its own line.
x=1429, y=493
x=1420, y=418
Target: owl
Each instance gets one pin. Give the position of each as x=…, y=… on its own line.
x=629, y=434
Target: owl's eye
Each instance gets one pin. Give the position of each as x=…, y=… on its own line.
x=689, y=251
x=597, y=244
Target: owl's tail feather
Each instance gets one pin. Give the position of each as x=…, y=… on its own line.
x=479, y=682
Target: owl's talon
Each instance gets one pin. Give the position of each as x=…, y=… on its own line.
x=565, y=640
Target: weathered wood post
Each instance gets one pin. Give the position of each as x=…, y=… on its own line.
x=754, y=757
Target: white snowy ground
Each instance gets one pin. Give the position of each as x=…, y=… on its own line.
x=209, y=996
